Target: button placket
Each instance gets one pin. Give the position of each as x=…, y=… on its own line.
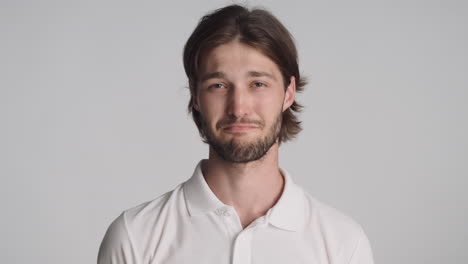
x=242, y=247
x=227, y=218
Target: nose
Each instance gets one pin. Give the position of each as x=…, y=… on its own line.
x=238, y=102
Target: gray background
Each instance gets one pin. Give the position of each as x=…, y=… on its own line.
x=93, y=119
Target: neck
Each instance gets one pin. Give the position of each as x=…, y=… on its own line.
x=251, y=188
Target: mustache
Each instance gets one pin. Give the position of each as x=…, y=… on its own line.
x=243, y=121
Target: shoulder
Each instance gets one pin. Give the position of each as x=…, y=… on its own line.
x=131, y=232
x=117, y=244
x=152, y=211
x=343, y=236
x=329, y=218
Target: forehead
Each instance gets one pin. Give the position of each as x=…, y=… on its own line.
x=236, y=57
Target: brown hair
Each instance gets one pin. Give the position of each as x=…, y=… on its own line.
x=257, y=28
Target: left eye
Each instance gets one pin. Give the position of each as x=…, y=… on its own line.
x=258, y=84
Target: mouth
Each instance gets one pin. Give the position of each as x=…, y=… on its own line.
x=239, y=128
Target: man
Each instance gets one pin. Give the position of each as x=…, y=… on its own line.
x=238, y=206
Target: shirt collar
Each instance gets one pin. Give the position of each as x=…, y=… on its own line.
x=287, y=213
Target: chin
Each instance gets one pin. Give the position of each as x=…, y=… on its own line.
x=242, y=138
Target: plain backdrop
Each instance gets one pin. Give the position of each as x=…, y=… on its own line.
x=93, y=119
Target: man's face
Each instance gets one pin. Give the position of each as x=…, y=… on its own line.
x=241, y=97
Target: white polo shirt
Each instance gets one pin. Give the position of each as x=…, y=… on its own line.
x=191, y=225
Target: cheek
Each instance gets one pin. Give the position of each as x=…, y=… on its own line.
x=267, y=110
x=269, y=103
x=211, y=108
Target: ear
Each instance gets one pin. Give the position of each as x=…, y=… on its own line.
x=195, y=103
x=290, y=94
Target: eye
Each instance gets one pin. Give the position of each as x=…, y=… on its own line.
x=259, y=84
x=217, y=86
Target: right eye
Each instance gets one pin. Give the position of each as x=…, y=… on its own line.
x=217, y=86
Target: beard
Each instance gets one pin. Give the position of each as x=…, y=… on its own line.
x=243, y=152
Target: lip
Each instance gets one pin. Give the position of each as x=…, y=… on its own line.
x=239, y=128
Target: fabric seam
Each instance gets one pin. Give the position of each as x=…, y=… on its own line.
x=358, y=244
x=130, y=238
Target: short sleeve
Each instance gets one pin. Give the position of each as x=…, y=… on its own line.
x=116, y=246
x=363, y=252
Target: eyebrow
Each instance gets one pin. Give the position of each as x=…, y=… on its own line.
x=221, y=75
x=212, y=75
x=261, y=74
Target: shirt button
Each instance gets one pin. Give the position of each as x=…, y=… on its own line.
x=222, y=211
